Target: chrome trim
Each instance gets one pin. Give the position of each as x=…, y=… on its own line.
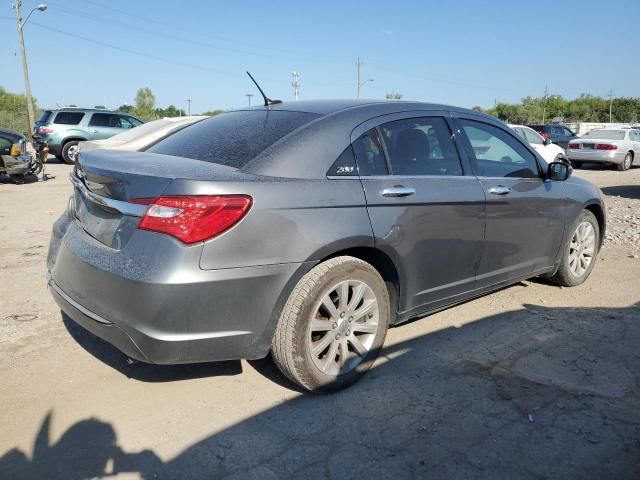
x=75, y=304
x=125, y=208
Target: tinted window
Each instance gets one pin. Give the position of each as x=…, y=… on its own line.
x=500, y=155
x=5, y=146
x=421, y=146
x=232, y=138
x=44, y=116
x=345, y=165
x=68, y=118
x=532, y=137
x=126, y=122
x=105, y=120
x=371, y=160
x=567, y=131
x=557, y=130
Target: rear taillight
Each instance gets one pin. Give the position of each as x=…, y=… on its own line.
x=195, y=218
x=574, y=146
x=544, y=135
x=44, y=130
x=606, y=146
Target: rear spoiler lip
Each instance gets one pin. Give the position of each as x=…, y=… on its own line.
x=125, y=208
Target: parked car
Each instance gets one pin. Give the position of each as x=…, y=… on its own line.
x=306, y=229
x=556, y=132
x=142, y=136
x=15, y=161
x=620, y=147
x=63, y=129
x=550, y=152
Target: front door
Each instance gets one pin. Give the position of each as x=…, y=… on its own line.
x=524, y=221
x=426, y=214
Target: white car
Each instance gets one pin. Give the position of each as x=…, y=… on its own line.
x=140, y=137
x=547, y=150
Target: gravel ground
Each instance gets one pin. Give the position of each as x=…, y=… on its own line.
x=532, y=382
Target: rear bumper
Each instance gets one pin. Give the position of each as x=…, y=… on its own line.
x=183, y=316
x=596, y=156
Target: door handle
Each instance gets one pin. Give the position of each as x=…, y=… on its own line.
x=95, y=131
x=499, y=190
x=398, y=191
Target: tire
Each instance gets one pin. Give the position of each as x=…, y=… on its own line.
x=333, y=328
x=576, y=164
x=626, y=162
x=69, y=152
x=585, y=240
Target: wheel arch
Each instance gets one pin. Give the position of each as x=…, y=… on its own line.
x=598, y=211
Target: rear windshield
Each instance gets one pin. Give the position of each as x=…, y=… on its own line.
x=44, y=116
x=68, y=118
x=233, y=138
x=605, y=134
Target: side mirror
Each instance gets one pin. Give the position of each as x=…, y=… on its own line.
x=547, y=141
x=558, y=171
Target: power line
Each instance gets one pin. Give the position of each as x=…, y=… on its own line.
x=134, y=52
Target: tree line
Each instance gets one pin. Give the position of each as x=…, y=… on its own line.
x=585, y=108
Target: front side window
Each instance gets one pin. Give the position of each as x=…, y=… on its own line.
x=532, y=137
x=126, y=122
x=496, y=153
x=68, y=118
x=369, y=154
x=105, y=120
x=421, y=146
x=567, y=132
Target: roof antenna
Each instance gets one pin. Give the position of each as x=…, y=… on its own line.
x=267, y=100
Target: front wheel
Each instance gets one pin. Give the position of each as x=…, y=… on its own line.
x=333, y=325
x=580, y=254
x=626, y=162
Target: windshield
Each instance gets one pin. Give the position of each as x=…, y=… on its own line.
x=605, y=134
x=233, y=138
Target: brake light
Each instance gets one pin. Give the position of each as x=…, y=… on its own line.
x=45, y=130
x=193, y=219
x=606, y=146
x=544, y=135
x=574, y=146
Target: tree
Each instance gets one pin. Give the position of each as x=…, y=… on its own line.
x=13, y=111
x=213, y=113
x=145, y=103
x=393, y=95
x=126, y=108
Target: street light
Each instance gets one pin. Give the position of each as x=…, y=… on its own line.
x=360, y=84
x=25, y=69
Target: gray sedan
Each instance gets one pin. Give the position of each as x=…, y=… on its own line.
x=307, y=229
x=620, y=147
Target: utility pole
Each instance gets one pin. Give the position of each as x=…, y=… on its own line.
x=610, y=95
x=189, y=106
x=249, y=95
x=296, y=84
x=358, y=64
x=544, y=105
x=25, y=69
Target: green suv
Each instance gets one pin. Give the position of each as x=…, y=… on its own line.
x=63, y=129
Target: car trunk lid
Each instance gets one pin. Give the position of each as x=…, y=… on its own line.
x=108, y=186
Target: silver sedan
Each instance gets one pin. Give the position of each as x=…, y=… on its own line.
x=620, y=147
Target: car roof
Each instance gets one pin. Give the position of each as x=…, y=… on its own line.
x=331, y=106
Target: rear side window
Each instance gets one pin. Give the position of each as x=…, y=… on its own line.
x=369, y=153
x=69, y=118
x=345, y=165
x=233, y=138
x=497, y=153
x=421, y=146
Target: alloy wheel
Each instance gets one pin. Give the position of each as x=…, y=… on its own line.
x=582, y=249
x=343, y=327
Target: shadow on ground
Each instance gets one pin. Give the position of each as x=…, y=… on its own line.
x=528, y=394
x=625, y=191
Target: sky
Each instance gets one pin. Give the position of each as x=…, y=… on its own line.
x=463, y=53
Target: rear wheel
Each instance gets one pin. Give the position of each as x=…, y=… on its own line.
x=580, y=254
x=333, y=325
x=626, y=162
x=70, y=152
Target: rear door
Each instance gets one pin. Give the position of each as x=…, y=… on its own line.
x=524, y=225
x=426, y=214
x=104, y=125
